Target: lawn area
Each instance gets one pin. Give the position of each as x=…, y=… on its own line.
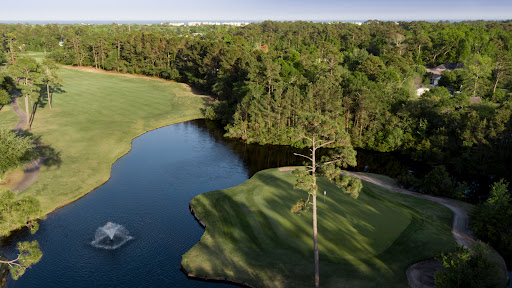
x=7, y=121
x=390, y=181
x=8, y=117
x=93, y=120
x=252, y=236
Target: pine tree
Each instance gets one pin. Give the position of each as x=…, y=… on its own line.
x=317, y=132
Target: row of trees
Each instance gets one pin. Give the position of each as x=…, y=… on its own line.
x=17, y=211
x=265, y=75
x=31, y=77
x=26, y=75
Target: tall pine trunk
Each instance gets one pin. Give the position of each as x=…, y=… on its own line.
x=315, y=243
x=118, y=53
x=48, y=93
x=315, y=221
x=48, y=88
x=476, y=85
x=11, y=50
x=26, y=110
x=498, y=75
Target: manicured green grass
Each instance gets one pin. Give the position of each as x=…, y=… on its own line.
x=92, y=124
x=252, y=236
x=8, y=117
x=390, y=181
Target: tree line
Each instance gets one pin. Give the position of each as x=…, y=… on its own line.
x=266, y=74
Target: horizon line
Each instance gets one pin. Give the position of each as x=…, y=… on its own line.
x=19, y=21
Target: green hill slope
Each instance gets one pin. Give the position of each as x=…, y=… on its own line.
x=252, y=236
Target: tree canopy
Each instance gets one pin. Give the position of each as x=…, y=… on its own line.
x=17, y=212
x=492, y=220
x=14, y=150
x=265, y=74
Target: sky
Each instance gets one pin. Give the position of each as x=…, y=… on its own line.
x=321, y=10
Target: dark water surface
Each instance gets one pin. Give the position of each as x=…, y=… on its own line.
x=148, y=193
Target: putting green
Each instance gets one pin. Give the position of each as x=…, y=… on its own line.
x=252, y=236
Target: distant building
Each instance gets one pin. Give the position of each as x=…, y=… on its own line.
x=434, y=80
x=173, y=24
x=437, y=71
x=217, y=23
x=203, y=23
x=239, y=24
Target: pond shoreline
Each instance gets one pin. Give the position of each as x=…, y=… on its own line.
x=4, y=272
x=110, y=172
x=211, y=278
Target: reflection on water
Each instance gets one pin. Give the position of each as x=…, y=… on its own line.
x=259, y=157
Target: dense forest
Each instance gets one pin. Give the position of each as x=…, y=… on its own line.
x=265, y=75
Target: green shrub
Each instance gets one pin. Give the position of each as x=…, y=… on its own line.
x=467, y=268
x=5, y=98
x=492, y=220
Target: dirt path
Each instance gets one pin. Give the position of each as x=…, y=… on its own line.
x=23, y=119
x=31, y=169
x=30, y=176
x=421, y=274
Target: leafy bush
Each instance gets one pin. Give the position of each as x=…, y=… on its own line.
x=14, y=150
x=438, y=182
x=3, y=58
x=5, y=98
x=467, y=268
x=409, y=181
x=492, y=220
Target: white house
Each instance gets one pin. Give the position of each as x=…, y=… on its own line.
x=434, y=81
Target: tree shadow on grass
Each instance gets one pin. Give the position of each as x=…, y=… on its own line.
x=256, y=236
x=42, y=100
x=51, y=156
x=259, y=241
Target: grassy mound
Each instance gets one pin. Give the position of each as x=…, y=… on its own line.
x=252, y=236
x=92, y=123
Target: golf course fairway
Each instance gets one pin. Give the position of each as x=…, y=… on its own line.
x=95, y=116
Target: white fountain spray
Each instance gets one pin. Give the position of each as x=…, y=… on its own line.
x=111, y=236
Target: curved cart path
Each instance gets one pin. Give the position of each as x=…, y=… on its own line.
x=23, y=119
x=31, y=169
x=460, y=225
x=421, y=274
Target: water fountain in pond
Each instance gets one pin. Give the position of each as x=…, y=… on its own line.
x=111, y=236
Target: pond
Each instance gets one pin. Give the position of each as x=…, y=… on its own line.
x=148, y=193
